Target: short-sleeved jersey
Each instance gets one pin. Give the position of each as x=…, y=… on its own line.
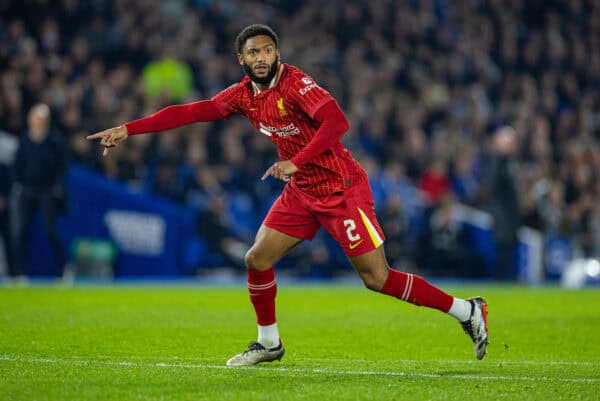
x=285, y=114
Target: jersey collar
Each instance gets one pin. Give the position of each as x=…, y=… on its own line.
x=273, y=82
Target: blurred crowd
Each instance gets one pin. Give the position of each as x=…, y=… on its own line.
x=490, y=103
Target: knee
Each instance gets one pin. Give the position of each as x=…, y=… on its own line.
x=255, y=261
x=373, y=280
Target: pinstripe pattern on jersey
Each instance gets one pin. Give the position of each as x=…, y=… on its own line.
x=302, y=98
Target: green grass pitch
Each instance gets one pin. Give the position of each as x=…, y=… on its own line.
x=342, y=343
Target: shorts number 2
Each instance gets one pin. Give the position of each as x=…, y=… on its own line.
x=350, y=227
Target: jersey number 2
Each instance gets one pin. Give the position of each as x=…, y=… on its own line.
x=350, y=227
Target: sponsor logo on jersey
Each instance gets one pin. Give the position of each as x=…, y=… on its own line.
x=308, y=88
x=282, y=111
x=306, y=81
x=288, y=130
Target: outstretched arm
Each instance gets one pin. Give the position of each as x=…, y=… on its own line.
x=175, y=116
x=167, y=118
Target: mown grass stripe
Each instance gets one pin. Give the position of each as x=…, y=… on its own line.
x=296, y=370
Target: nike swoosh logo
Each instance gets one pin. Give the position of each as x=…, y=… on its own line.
x=355, y=244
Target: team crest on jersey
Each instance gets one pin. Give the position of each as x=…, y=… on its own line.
x=282, y=111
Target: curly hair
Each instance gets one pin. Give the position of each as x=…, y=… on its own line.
x=254, y=30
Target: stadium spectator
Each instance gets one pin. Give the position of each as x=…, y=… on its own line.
x=167, y=77
x=442, y=242
x=464, y=182
x=395, y=225
x=40, y=166
x=5, y=234
x=435, y=183
x=503, y=202
x=221, y=240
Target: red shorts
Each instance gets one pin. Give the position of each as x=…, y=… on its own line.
x=348, y=216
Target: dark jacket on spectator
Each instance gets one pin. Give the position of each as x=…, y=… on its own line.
x=41, y=165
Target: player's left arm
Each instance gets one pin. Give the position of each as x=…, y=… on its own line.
x=333, y=125
x=318, y=104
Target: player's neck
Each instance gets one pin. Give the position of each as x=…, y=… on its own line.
x=260, y=87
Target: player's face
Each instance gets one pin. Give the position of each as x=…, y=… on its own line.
x=260, y=58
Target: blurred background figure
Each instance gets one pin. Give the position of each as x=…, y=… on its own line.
x=442, y=246
x=39, y=170
x=503, y=201
x=5, y=236
x=167, y=77
x=221, y=241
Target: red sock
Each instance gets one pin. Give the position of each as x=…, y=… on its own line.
x=263, y=288
x=412, y=288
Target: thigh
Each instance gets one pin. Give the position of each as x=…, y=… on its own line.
x=352, y=222
x=289, y=215
x=269, y=247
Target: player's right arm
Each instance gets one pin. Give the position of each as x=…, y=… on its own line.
x=170, y=117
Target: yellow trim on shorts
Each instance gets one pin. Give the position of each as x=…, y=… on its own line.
x=375, y=237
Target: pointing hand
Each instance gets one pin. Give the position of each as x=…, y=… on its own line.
x=110, y=138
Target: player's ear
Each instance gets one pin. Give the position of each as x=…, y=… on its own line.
x=240, y=58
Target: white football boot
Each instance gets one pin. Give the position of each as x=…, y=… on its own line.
x=476, y=327
x=257, y=353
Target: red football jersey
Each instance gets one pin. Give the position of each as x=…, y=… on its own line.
x=285, y=114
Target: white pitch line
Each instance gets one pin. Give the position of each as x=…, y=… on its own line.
x=460, y=361
x=404, y=361
x=284, y=369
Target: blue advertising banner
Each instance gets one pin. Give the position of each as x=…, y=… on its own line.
x=151, y=235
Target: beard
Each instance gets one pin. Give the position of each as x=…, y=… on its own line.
x=267, y=78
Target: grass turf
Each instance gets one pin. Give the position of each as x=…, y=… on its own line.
x=342, y=343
